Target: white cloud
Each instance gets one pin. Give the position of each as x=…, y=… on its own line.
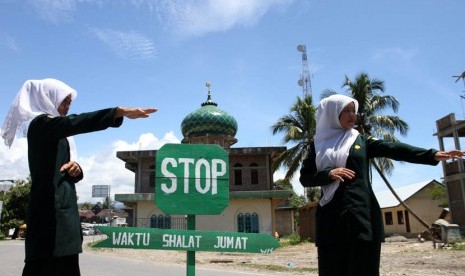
x=396, y=53
x=101, y=168
x=9, y=42
x=13, y=161
x=298, y=188
x=197, y=18
x=53, y=10
x=104, y=168
x=127, y=45
x=185, y=18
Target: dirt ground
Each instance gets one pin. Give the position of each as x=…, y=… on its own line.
x=400, y=256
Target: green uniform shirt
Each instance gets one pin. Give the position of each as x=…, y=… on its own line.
x=53, y=226
x=354, y=212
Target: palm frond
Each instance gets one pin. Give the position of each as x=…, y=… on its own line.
x=382, y=102
x=298, y=128
x=368, y=92
x=389, y=123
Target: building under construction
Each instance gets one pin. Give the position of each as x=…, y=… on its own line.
x=454, y=171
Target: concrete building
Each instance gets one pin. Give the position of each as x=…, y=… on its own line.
x=419, y=198
x=252, y=201
x=449, y=131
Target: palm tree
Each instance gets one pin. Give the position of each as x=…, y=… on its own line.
x=368, y=93
x=298, y=128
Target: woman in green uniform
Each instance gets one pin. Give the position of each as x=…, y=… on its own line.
x=54, y=235
x=349, y=227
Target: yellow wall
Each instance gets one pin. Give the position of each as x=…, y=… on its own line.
x=423, y=205
x=226, y=221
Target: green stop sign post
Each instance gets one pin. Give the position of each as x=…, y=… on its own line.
x=190, y=180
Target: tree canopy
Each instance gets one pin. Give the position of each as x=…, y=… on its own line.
x=15, y=202
x=298, y=128
x=371, y=118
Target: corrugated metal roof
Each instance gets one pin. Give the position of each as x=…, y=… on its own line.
x=386, y=199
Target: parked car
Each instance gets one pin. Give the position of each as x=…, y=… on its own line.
x=88, y=231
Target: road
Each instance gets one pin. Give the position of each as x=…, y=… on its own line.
x=93, y=264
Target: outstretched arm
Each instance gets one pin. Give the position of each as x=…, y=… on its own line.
x=134, y=112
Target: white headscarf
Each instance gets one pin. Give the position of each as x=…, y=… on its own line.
x=34, y=98
x=332, y=141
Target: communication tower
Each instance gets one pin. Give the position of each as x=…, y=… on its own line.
x=304, y=80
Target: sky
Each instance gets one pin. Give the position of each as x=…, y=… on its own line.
x=161, y=53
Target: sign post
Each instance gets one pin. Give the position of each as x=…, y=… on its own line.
x=186, y=240
x=190, y=180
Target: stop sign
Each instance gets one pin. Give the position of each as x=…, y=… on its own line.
x=192, y=179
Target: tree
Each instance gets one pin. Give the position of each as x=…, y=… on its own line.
x=85, y=206
x=282, y=184
x=295, y=200
x=299, y=129
x=370, y=120
x=439, y=192
x=313, y=193
x=107, y=203
x=15, y=202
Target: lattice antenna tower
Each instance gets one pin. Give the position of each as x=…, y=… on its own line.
x=304, y=80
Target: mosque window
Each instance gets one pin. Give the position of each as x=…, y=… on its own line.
x=152, y=176
x=160, y=221
x=238, y=174
x=254, y=174
x=248, y=223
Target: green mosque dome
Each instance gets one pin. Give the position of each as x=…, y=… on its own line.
x=208, y=120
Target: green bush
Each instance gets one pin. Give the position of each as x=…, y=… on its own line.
x=292, y=239
x=459, y=246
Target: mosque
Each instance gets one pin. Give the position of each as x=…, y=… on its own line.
x=253, y=200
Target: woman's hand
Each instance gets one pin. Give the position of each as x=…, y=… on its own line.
x=341, y=174
x=72, y=168
x=134, y=112
x=444, y=155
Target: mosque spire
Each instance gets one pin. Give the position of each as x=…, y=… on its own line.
x=209, y=98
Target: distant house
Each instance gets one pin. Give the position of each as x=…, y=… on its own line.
x=86, y=215
x=307, y=224
x=419, y=199
x=104, y=216
x=284, y=213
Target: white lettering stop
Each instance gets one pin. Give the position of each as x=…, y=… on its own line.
x=216, y=169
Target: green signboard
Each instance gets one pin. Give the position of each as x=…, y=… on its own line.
x=192, y=179
x=186, y=240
